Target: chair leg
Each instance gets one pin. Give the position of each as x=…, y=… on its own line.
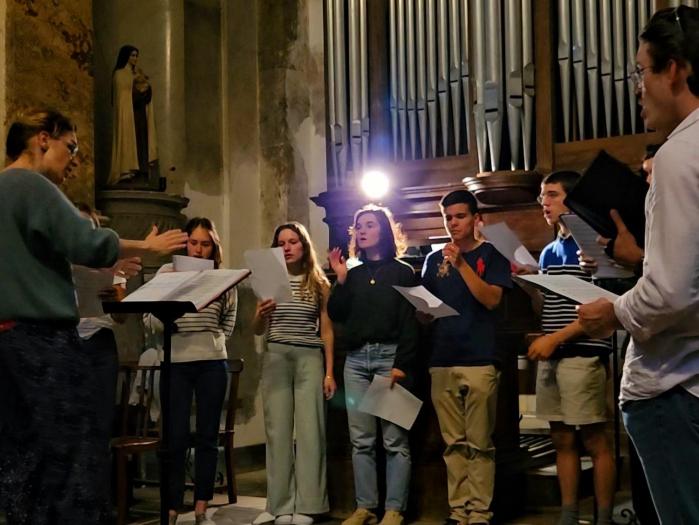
x=122, y=495
x=230, y=471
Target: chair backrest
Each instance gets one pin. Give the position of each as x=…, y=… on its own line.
x=138, y=386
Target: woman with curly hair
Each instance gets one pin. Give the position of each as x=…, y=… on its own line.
x=381, y=339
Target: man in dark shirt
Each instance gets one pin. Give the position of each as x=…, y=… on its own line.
x=469, y=275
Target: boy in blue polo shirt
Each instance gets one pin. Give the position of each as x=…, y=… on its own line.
x=469, y=275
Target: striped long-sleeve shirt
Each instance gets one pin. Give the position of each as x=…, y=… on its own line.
x=202, y=335
x=560, y=258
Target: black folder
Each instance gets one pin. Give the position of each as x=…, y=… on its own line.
x=609, y=184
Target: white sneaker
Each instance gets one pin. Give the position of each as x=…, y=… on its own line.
x=284, y=519
x=265, y=517
x=301, y=519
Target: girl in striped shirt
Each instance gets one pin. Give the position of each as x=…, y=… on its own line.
x=199, y=368
x=299, y=338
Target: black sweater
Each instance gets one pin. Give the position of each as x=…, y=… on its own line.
x=377, y=313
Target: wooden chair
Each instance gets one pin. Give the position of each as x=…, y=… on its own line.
x=139, y=434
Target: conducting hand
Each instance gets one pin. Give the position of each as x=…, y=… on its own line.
x=166, y=243
x=127, y=267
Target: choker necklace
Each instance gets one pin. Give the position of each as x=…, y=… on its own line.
x=372, y=275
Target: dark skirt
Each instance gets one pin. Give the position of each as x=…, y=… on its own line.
x=52, y=450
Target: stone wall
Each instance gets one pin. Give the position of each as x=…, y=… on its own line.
x=48, y=62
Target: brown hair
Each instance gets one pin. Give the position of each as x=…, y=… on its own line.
x=392, y=242
x=314, y=279
x=32, y=122
x=208, y=225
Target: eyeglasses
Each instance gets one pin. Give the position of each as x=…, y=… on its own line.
x=637, y=76
x=72, y=148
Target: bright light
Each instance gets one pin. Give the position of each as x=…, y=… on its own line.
x=374, y=184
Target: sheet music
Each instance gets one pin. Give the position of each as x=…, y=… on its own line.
x=586, y=239
x=89, y=282
x=426, y=302
x=396, y=404
x=199, y=288
x=506, y=242
x=567, y=286
x=269, y=279
x=182, y=263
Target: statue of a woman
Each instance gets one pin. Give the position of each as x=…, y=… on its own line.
x=134, y=145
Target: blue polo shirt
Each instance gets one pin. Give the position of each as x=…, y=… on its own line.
x=469, y=338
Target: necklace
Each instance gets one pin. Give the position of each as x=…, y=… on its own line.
x=373, y=275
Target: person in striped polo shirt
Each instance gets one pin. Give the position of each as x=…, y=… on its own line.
x=297, y=373
x=572, y=371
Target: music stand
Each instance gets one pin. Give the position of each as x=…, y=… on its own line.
x=167, y=312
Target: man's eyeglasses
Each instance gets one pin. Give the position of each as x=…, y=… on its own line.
x=637, y=76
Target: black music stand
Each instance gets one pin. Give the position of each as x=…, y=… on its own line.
x=167, y=312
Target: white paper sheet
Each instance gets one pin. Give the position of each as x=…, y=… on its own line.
x=570, y=287
x=396, y=404
x=89, y=282
x=269, y=279
x=182, y=263
x=506, y=242
x=426, y=302
x=586, y=239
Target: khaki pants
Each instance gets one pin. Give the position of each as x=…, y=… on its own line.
x=465, y=400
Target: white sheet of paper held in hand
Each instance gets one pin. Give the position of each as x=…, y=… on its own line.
x=586, y=239
x=269, y=279
x=182, y=263
x=570, y=287
x=396, y=404
x=89, y=282
x=506, y=242
x=425, y=302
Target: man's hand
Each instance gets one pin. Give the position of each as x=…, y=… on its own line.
x=396, y=375
x=587, y=263
x=626, y=251
x=338, y=264
x=598, y=318
x=542, y=347
x=452, y=254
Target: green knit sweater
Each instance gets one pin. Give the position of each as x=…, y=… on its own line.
x=41, y=233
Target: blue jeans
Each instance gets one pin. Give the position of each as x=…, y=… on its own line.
x=207, y=381
x=360, y=367
x=665, y=431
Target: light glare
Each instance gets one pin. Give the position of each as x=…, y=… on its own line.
x=374, y=184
